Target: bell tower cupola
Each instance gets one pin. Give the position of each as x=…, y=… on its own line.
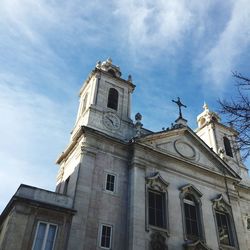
x=221, y=138
x=105, y=101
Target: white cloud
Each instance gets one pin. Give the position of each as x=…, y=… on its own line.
x=32, y=133
x=161, y=26
x=38, y=37
x=229, y=49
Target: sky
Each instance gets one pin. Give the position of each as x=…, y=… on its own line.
x=185, y=48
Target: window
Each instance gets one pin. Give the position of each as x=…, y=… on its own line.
x=224, y=230
x=112, y=72
x=224, y=223
x=192, y=213
x=227, y=146
x=66, y=184
x=106, y=236
x=156, y=209
x=191, y=217
x=45, y=236
x=110, y=182
x=113, y=99
x=156, y=203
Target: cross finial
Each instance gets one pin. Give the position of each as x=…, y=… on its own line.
x=180, y=104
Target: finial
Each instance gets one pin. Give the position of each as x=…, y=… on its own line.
x=180, y=104
x=129, y=78
x=138, y=125
x=109, y=60
x=98, y=64
x=205, y=106
x=138, y=117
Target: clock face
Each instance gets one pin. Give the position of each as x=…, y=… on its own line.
x=111, y=120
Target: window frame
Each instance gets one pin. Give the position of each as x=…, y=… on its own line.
x=155, y=183
x=113, y=99
x=115, y=182
x=228, y=227
x=66, y=185
x=100, y=235
x=220, y=205
x=48, y=224
x=228, y=147
x=163, y=212
x=191, y=190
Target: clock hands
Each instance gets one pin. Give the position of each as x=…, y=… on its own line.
x=110, y=120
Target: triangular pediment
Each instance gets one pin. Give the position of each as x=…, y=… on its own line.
x=184, y=144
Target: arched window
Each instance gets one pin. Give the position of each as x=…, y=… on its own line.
x=214, y=119
x=227, y=146
x=156, y=203
x=191, y=214
x=224, y=223
x=112, y=72
x=113, y=99
x=202, y=121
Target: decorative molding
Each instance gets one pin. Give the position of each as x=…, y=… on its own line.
x=185, y=149
x=156, y=182
x=192, y=190
x=189, y=188
x=248, y=223
x=158, y=241
x=198, y=245
x=220, y=204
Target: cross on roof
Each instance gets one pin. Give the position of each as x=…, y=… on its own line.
x=180, y=104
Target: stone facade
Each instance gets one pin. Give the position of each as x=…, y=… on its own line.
x=123, y=187
x=26, y=209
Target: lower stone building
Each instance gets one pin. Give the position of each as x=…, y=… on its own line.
x=123, y=187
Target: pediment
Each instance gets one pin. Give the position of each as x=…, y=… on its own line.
x=186, y=145
x=198, y=245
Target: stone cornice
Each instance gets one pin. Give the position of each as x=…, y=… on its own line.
x=191, y=163
x=97, y=71
x=87, y=130
x=169, y=133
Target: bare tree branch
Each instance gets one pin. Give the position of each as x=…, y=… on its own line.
x=237, y=112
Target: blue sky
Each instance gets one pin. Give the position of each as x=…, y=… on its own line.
x=47, y=48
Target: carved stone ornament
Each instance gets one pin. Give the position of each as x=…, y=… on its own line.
x=198, y=245
x=248, y=223
x=158, y=241
x=189, y=188
x=156, y=182
x=184, y=149
x=220, y=204
x=108, y=66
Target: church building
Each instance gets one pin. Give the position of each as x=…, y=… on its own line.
x=121, y=186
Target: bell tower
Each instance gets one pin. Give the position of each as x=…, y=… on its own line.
x=105, y=102
x=221, y=139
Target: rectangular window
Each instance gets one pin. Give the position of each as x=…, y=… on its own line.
x=191, y=220
x=110, y=182
x=66, y=184
x=106, y=236
x=156, y=209
x=224, y=229
x=45, y=236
